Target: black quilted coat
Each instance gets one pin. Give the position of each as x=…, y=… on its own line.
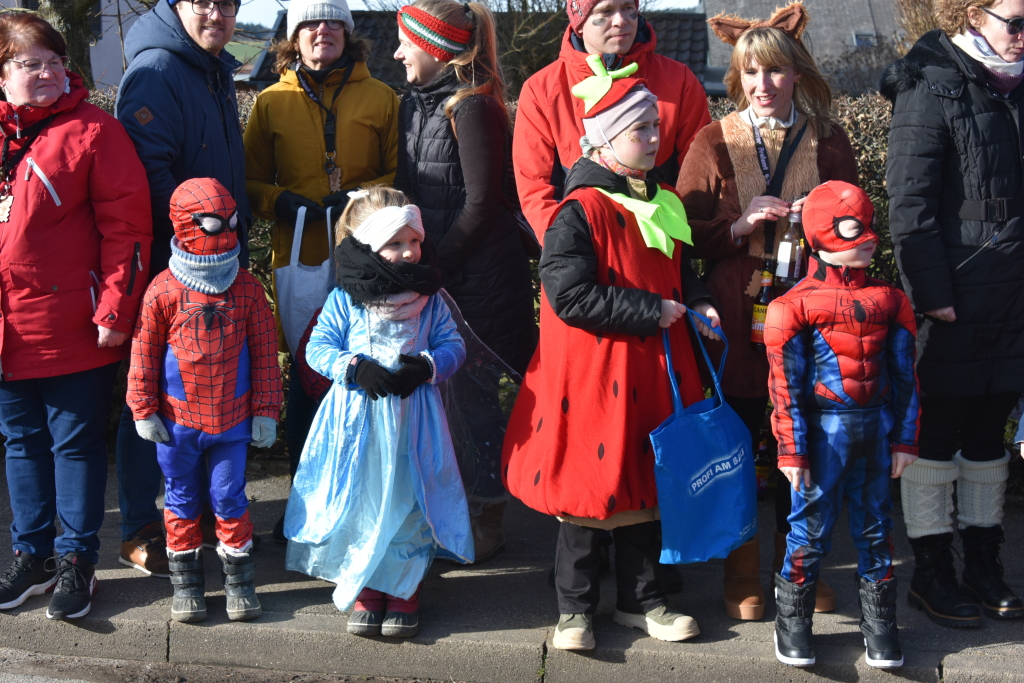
x=956, y=191
x=474, y=234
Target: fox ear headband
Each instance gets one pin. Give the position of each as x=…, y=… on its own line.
x=791, y=19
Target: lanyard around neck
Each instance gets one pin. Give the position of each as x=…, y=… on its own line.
x=773, y=182
x=330, y=120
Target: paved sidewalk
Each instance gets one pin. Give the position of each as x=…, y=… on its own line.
x=493, y=624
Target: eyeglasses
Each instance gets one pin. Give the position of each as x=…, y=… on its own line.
x=1013, y=26
x=227, y=8
x=332, y=24
x=215, y=224
x=34, y=67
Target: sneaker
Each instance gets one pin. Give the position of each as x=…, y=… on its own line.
x=574, y=632
x=147, y=552
x=663, y=623
x=76, y=584
x=26, y=577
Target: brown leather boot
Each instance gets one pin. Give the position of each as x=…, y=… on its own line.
x=826, y=600
x=744, y=596
x=489, y=532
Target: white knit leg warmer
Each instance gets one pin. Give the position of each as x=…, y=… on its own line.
x=927, y=491
x=981, y=491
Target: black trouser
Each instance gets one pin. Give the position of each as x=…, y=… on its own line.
x=577, y=556
x=751, y=411
x=973, y=425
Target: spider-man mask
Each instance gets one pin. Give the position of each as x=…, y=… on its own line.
x=204, y=217
x=838, y=216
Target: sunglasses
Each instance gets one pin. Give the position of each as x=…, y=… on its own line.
x=1013, y=26
x=215, y=224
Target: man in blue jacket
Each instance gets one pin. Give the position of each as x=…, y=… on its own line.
x=177, y=102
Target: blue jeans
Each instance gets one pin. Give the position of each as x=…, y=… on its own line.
x=57, y=459
x=138, y=478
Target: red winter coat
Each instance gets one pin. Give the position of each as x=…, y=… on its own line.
x=68, y=266
x=549, y=122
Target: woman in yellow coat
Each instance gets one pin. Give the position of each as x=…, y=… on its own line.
x=292, y=160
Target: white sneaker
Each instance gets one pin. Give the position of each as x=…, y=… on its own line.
x=574, y=632
x=663, y=623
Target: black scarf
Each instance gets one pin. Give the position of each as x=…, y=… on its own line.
x=369, y=278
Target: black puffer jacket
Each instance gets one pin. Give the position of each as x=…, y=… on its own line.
x=956, y=190
x=459, y=185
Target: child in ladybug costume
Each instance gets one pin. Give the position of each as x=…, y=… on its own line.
x=614, y=270
x=841, y=352
x=204, y=384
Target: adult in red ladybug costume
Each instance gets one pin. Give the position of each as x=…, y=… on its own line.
x=204, y=384
x=614, y=270
x=841, y=353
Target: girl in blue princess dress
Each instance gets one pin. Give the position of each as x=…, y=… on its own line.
x=377, y=485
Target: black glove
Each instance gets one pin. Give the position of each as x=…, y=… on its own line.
x=375, y=380
x=415, y=371
x=287, y=208
x=337, y=201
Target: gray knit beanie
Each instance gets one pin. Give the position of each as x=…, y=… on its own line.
x=318, y=10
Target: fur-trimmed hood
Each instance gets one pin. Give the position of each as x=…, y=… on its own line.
x=934, y=50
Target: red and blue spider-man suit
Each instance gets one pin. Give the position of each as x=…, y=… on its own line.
x=841, y=351
x=206, y=363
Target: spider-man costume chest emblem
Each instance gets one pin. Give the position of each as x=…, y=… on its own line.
x=204, y=322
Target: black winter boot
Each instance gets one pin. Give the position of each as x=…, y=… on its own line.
x=189, y=602
x=794, y=607
x=933, y=587
x=240, y=584
x=983, y=573
x=878, y=623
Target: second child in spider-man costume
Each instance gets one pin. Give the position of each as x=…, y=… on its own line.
x=841, y=351
x=204, y=383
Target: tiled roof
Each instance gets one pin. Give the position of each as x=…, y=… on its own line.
x=681, y=36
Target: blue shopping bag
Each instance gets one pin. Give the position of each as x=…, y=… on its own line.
x=704, y=469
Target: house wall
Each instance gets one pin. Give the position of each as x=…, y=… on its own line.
x=831, y=31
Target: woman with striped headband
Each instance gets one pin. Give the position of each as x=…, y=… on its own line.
x=454, y=162
x=378, y=484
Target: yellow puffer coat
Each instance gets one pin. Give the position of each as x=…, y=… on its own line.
x=284, y=150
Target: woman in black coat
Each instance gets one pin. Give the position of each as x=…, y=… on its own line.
x=956, y=188
x=453, y=162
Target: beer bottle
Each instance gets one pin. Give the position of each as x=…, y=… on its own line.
x=789, y=264
x=761, y=307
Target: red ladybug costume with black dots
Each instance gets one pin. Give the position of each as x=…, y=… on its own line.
x=578, y=441
x=204, y=359
x=577, y=445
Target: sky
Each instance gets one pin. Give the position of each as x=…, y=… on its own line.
x=265, y=11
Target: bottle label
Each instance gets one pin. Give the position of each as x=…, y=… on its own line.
x=757, y=323
x=766, y=278
x=785, y=254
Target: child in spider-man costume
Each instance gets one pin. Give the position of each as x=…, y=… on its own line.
x=841, y=351
x=204, y=384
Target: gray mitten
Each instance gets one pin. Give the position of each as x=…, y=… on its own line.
x=264, y=431
x=152, y=429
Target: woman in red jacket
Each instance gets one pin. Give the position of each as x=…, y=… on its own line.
x=75, y=231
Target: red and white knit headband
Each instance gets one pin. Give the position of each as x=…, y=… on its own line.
x=430, y=34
